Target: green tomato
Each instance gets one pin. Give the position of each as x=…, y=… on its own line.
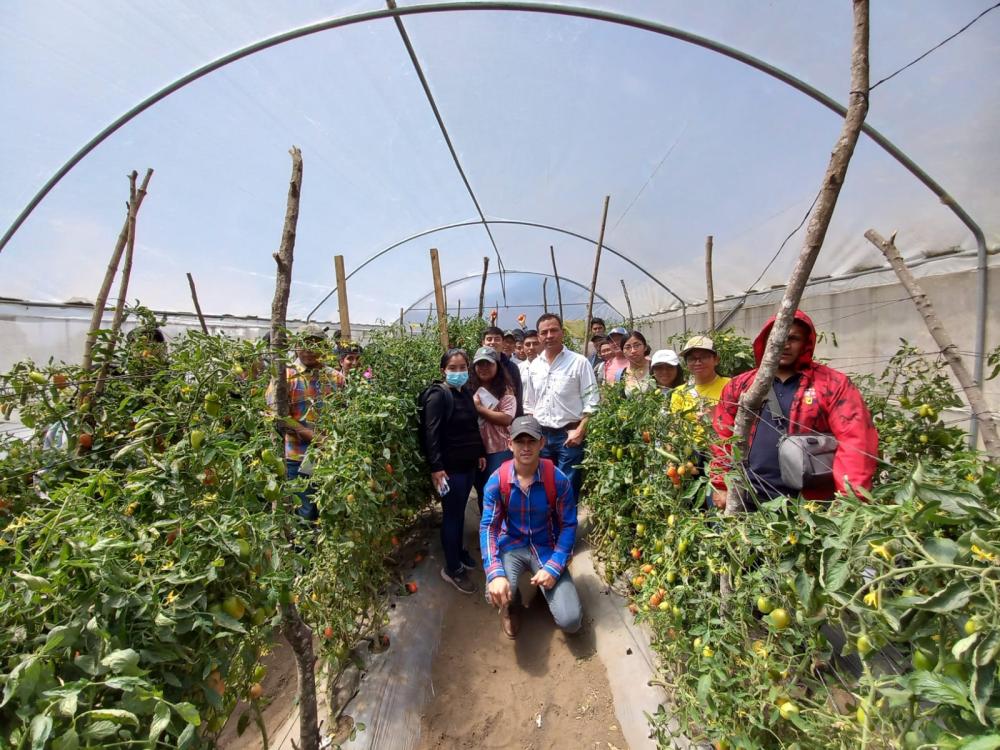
x=864, y=645
x=788, y=710
x=923, y=661
x=764, y=605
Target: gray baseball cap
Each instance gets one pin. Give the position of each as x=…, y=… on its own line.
x=486, y=354
x=525, y=426
x=312, y=331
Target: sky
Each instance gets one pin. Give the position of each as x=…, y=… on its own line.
x=548, y=114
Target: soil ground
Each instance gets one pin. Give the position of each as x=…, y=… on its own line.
x=543, y=690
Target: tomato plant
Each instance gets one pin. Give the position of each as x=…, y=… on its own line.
x=869, y=621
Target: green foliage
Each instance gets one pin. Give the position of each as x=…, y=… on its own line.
x=867, y=622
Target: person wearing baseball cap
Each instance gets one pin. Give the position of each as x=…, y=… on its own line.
x=309, y=383
x=699, y=397
x=496, y=405
x=665, y=366
x=529, y=526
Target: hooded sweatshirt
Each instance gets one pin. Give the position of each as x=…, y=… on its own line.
x=825, y=400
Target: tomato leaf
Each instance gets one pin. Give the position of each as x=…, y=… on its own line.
x=60, y=636
x=41, y=728
x=981, y=688
x=34, y=583
x=98, y=730
x=963, y=645
x=243, y=723
x=937, y=688
x=68, y=740
x=983, y=742
x=954, y=595
x=123, y=661
x=189, y=713
x=187, y=737
x=986, y=651
x=161, y=720
x=943, y=551
x=117, y=715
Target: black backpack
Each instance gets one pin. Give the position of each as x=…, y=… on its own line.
x=449, y=407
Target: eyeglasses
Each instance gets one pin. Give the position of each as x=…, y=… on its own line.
x=633, y=348
x=698, y=357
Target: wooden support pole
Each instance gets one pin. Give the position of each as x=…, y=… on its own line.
x=459, y=313
x=980, y=409
x=345, y=315
x=439, y=298
x=197, y=307
x=109, y=274
x=482, y=285
x=401, y=323
x=628, y=304
x=119, y=316
x=293, y=627
x=709, y=283
x=597, y=266
x=555, y=272
x=545, y=294
x=836, y=172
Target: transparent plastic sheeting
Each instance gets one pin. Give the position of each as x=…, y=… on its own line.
x=548, y=114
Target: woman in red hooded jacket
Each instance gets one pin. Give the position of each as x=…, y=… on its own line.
x=815, y=398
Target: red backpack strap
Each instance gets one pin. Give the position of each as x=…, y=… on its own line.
x=549, y=482
x=504, y=476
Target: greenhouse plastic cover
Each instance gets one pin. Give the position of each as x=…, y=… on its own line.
x=548, y=114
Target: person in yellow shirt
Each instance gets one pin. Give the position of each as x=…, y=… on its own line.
x=699, y=397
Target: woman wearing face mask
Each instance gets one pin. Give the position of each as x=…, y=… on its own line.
x=636, y=375
x=454, y=451
x=493, y=395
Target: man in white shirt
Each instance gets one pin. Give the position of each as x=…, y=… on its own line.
x=561, y=393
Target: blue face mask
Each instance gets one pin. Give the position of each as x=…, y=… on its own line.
x=456, y=379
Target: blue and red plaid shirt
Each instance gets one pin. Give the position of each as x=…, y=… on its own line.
x=306, y=391
x=527, y=521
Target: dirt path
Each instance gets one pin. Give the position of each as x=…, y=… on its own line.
x=543, y=690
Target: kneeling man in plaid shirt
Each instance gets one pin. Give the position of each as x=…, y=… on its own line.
x=529, y=525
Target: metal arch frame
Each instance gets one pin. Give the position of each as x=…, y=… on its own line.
x=509, y=271
x=562, y=10
x=512, y=222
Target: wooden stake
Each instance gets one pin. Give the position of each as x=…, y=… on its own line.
x=555, y=272
x=109, y=274
x=980, y=409
x=197, y=307
x=482, y=285
x=401, y=323
x=628, y=303
x=345, y=315
x=836, y=171
x=296, y=632
x=459, y=313
x=119, y=316
x=439, y=298
x=709, y=284
x=597, y=266
x=545, y=294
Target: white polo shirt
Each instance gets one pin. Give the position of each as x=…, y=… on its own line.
x=562, y=392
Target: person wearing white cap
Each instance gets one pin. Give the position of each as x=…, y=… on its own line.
x=666, y=368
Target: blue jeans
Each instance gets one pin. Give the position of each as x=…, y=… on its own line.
x=493, y=461
x=453, y=519
x=563, y=598
x=307, y=509
x=564, y=458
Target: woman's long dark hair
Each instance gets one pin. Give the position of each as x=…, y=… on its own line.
x=499, y=386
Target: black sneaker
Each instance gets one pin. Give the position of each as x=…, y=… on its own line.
x=467, y=562
x=460, y=581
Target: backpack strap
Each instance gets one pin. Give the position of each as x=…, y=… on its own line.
x=504, y=477
x=774, y=406
x=548, y=481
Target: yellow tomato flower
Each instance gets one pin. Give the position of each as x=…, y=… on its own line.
x=171, y=597
x=881, y=550
x=872, y=599
x=139, y=558
x=982, y=555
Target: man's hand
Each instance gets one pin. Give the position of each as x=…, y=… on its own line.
x=575, y=436
x=719, y=498
x=437, y=477
x=499, y=591
x=543, y=578
x=482, y=463
x=305, y=434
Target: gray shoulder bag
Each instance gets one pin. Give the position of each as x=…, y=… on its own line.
x=805, y=460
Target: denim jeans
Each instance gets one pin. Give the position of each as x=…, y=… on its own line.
x=307, y=509
x=493, y=461
x=564, y=458
x=453, y=519
x=563, y=599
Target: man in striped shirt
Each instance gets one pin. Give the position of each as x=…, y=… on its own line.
x=532, y=528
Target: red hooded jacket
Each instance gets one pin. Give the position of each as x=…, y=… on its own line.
x=826, y=401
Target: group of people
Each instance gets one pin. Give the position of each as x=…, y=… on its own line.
x=510, y=420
